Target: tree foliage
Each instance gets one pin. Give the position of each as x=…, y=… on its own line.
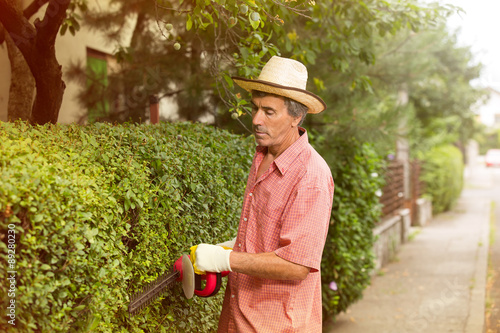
x=442, y=172
x=420, y=88
x=488, y=138
x=439, y=88
x=198, y=45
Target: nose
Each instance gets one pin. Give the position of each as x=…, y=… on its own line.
x=258, y=117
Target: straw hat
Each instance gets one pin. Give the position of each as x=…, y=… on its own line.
x=284, y=77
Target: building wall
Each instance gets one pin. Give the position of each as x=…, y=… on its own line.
x=73, y=49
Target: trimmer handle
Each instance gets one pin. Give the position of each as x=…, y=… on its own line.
x=213, y=281
x=212, y=286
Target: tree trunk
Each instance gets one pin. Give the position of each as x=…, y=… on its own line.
x=22, y=85
x=49, y=87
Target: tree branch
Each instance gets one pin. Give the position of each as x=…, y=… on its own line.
x=293, y=9
x=18, y=27
x=396, y=49
x=52, y=21
x=33, y=8
x=2, y=34
x=171, y=93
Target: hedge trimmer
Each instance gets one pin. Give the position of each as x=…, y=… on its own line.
x=182, y=271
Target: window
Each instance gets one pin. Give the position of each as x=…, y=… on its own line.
x=97, y=83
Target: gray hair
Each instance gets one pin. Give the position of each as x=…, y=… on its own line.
x=295, y=109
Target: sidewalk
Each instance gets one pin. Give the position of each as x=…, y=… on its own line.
x=437, y=284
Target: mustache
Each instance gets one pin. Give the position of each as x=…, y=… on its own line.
x=259, y=129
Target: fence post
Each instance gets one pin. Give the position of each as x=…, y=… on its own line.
x=154, y=109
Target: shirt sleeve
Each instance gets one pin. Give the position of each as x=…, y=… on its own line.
x=305, y=224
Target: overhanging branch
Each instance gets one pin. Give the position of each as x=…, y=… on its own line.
x=18, y=27
x=2, y=34
x=33, y=8
x=52, y=21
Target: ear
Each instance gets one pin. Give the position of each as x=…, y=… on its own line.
x=296, y=121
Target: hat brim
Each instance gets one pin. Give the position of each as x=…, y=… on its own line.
x=313, y=102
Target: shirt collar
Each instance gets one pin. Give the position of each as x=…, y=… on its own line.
x=289, y=156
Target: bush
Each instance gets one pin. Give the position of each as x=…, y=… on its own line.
x=101, y=210
x=348, y=258
x=442, y=174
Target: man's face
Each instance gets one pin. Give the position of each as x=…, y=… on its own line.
x=272, y=125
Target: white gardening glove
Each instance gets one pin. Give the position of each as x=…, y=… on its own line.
x=228, y=244
x=212, y=258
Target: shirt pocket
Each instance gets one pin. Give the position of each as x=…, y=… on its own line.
x=272, y=301
x=263, y=231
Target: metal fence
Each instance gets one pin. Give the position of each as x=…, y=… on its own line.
x=393, y=198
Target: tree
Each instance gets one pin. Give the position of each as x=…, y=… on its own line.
x=36, y=44
x=22, y=87
x=430, y=68
x=221, y=38
x=437, y=74
x=488, y=138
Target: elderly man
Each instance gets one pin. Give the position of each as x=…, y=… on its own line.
x=275, y=284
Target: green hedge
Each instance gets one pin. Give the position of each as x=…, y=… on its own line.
x=348, y=258
x=442, y=174
x=101, y=210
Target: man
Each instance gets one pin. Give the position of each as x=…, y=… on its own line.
x=275, y=284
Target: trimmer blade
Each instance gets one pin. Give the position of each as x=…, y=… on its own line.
x=150, y=292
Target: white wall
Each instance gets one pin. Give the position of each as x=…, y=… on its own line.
x=73, y=49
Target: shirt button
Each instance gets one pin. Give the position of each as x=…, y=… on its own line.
x=239, y=245
x=250, y=194
x=245, y=219
x=232, y=296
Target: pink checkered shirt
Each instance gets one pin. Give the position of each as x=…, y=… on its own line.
x=285, y=211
